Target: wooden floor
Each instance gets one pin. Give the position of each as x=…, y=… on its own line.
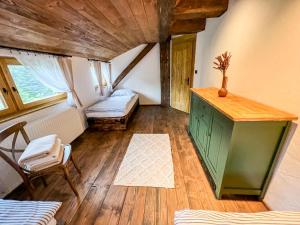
x=99, y=155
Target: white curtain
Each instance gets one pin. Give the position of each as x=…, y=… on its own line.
x=106, y=72
x=66, y=67
x=96, y=71
x=52, y=73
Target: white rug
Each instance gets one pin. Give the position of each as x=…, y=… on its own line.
x=147, y=162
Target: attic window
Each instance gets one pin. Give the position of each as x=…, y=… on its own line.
x=30, y=89
x=21, y=91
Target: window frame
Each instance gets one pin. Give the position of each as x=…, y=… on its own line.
x=16, y=105
x=8, y=98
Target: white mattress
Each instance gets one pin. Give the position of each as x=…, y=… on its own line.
x=112, y=113
x=28, y=212
x=202, y=217
x=52, y=221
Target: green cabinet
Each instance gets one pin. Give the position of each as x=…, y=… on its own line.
x=239, y=155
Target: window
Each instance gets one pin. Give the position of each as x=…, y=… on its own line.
x=95, y=79
x=21, y=91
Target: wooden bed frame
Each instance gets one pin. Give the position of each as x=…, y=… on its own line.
x=112, y=123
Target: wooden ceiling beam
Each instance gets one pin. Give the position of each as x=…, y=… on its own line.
x=165, y=12
x=192, y=9
x=134, y=62
x=188, y=26
x=199, y=13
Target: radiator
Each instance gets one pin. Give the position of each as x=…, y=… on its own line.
x=67, y=124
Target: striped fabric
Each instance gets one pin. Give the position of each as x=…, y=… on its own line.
x=27, y=212
x=201, y=217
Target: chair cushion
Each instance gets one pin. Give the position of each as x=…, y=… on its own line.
x=203, y=217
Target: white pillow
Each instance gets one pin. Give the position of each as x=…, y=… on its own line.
x=123, y=92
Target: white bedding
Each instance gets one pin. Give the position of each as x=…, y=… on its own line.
x=203, y=217
x=52, y=221
x=110, y=113
x=28, y=212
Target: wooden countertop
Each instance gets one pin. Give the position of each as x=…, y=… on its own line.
x=242, y=109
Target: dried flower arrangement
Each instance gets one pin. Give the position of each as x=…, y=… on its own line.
x=222, y=64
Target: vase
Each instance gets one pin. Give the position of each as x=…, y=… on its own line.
x=223, y=91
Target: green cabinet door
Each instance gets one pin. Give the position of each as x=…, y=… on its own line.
x=219, y=139
x=193, y=119
x=202, y=136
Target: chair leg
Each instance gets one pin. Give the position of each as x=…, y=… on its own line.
x=67, y=177
x=75, y=165
x=29, y=186
x=29, y=189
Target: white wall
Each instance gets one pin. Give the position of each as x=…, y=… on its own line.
x=144, y=78
x=263, y=37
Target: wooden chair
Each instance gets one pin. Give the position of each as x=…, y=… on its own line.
x=28, y=175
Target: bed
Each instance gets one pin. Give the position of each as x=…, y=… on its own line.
x=203, y=217
x=114, y=112
x=28, y=212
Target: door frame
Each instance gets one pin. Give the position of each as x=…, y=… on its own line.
x=180, y=39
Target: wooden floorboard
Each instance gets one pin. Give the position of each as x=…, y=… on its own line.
x=99, y=155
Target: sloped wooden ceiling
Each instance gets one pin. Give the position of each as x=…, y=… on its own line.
x=97, y=29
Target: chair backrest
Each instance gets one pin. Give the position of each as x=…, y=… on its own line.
x=7, y=132
x=13, y=130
